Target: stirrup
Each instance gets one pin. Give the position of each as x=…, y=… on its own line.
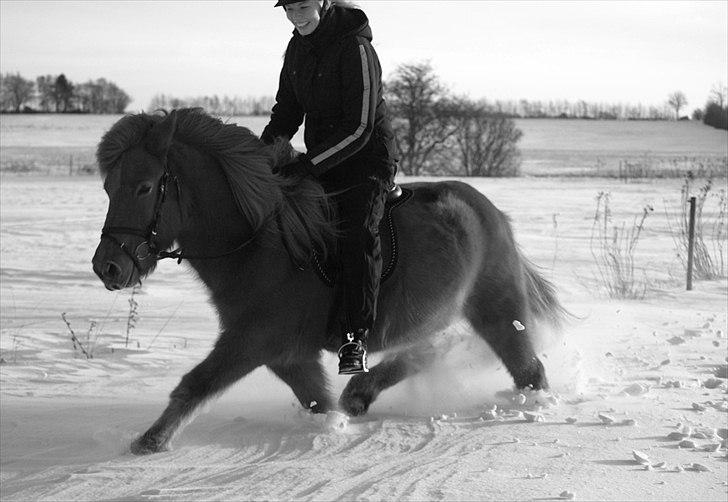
x=356, y=360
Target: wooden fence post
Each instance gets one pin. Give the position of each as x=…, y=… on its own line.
x=691, y=243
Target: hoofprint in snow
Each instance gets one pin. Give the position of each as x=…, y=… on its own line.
x=637, y=410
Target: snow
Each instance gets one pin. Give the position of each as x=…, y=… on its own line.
x=457, y=432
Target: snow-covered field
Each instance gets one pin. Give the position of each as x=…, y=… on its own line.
x=61, y=143
x=629, y=377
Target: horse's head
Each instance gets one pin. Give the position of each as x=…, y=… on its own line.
x=143, y=212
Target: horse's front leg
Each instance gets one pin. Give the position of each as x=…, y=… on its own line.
x=226, y=364
x=363, y=389
x=308, y=382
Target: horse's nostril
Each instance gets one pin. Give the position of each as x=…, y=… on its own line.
x=111, y=270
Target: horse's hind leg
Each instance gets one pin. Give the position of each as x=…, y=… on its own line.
x=363, y=389
x=500, y=318
x=221, y=368
x=308, y=382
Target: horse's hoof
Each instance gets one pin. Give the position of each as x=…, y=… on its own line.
x=320, y=408
x=354, y=405
x=146, y=446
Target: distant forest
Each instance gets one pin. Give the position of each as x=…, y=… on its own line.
x=222, y=106
x=523, y=108
x=57, y=94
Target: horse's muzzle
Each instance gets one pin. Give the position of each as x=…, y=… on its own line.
x=115, y=269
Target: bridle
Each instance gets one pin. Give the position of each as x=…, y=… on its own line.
x=149, y=249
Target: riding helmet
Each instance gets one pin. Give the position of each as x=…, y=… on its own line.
x=281, y=3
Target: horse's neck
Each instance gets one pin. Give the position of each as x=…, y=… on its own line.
x=213, y=225
x=211, y=216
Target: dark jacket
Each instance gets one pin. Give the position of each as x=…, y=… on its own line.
x=333, y=78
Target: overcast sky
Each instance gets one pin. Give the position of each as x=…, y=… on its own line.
x=597, y=51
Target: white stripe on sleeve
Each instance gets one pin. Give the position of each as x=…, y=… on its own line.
x=364, y=114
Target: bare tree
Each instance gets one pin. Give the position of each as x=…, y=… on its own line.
x=677, y=100
x=486, y=143
x=422, y=122
x=718, y=94
x=63, y=93
x=100, y=96
x=45, y=86
x=16, y=91
x=716, y=109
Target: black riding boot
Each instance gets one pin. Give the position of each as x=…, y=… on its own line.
x=353, y=353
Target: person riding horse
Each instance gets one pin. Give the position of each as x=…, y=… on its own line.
x=331, y=76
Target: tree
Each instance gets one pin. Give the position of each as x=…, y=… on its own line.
x=46, y=88
x=118, y=100
x=421, y=122
x=101, y=96
x=677, y=100
x=16, y=91
x=716, y=109
x=5, y=99
x=88, y=97
x=716, y=116
x=485, y=142
x=63, y=93
x=718, y=94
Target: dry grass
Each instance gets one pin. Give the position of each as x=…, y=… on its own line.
x=48, y=160
x=613, y=249
x=95, y=329
x=711, y=229
x=651, y=167
x=133, y=315
x=77, y=344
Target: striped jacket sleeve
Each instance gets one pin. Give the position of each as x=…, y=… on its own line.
x=287, y=114
x=361, y=77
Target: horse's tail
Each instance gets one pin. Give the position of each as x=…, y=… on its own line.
x=542, y=296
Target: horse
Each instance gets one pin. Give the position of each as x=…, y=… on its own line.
x=184, y=177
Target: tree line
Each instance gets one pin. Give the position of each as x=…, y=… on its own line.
x=228, y=106
x=715, y=113
x=436, y=132
x=55, y=93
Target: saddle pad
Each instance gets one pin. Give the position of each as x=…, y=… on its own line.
x=388, y=237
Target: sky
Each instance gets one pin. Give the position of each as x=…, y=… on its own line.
x=609, y=52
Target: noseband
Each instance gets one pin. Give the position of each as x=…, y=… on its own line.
x=148, y=249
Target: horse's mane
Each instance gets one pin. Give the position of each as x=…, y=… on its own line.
x=303, y=208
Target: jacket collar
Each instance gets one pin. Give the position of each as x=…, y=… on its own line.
x=336, y=23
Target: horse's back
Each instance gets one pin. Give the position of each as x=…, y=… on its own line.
x=454, y=211
x=444, y=235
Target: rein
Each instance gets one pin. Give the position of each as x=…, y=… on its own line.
x=148, y=249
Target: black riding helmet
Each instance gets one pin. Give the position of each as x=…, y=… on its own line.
x=281, y=3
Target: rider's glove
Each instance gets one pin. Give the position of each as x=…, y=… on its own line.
x=298, y=168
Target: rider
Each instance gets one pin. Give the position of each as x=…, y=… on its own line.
x=332, y=77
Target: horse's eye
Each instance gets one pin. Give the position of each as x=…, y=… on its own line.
x=144, y=189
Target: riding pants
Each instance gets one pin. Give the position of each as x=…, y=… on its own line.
x=360, y=208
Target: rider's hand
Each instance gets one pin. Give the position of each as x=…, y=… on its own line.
x=298, y=168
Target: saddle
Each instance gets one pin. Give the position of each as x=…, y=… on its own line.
x=328, y=270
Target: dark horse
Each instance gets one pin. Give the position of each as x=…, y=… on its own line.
x=190, y=179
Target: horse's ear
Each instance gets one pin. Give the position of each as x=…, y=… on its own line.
x=160, y=136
